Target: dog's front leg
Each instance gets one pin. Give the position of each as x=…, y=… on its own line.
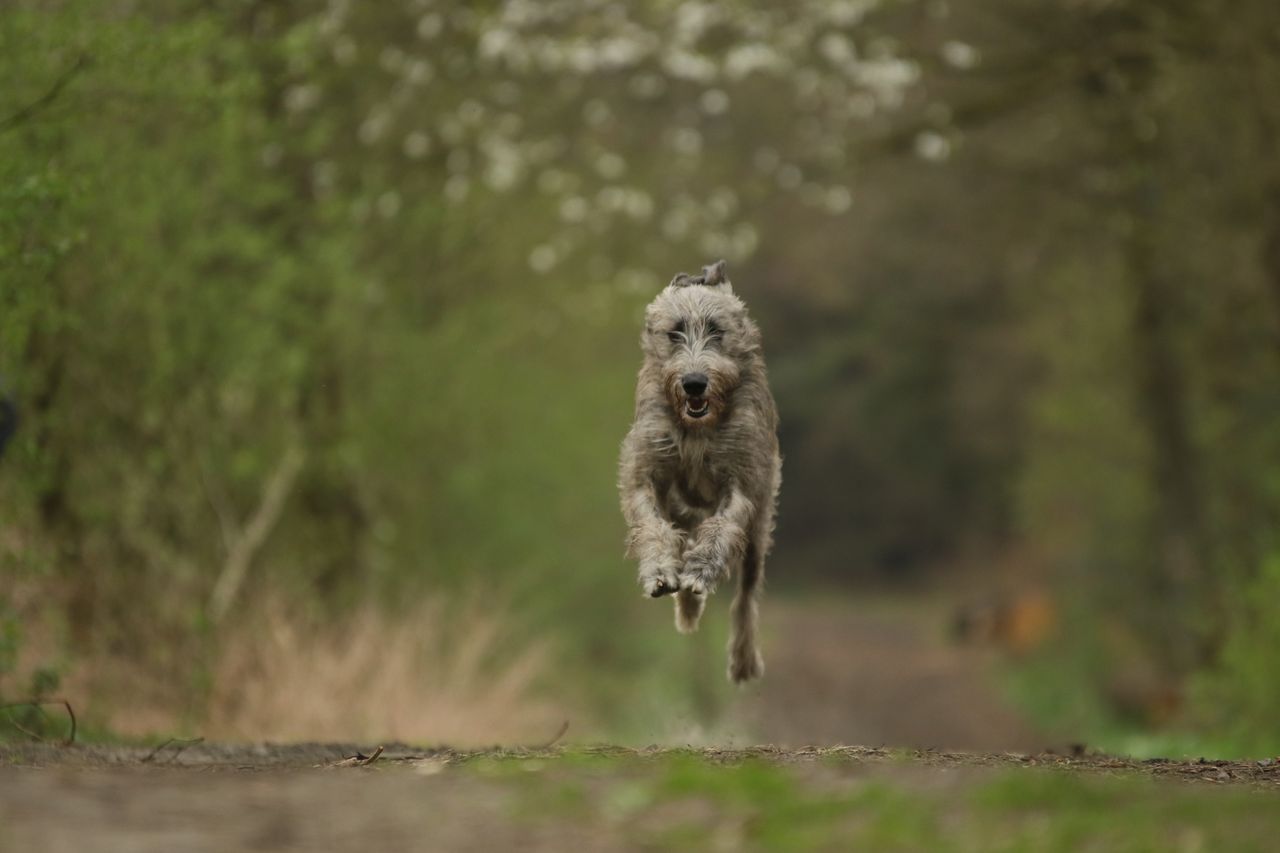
x=653, y=540
x=718, y=545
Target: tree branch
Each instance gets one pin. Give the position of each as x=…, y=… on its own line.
x=242, y=550
x=17, y=118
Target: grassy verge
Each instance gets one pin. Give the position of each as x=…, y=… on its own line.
x=685, y=802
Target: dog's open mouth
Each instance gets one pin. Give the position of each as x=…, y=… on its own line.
x=696, y=407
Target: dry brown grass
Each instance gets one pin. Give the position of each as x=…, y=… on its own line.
x=439, y=672
x=433, y=675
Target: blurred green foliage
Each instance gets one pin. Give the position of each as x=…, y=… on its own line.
x=343, y=302
x=279, y=313
x=1238, y=695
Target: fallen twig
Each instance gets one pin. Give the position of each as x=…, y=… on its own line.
x=182, y=744
x=37, y=704
x=358, y=760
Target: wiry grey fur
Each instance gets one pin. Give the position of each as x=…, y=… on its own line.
x=699, y=475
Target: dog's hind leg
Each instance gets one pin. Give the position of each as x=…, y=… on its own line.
x=745, y=662
x=689, y=606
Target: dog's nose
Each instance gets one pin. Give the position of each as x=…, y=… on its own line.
x=694, y=384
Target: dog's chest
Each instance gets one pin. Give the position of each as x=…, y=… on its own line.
x=695, y=473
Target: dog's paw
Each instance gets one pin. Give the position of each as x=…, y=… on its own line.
x=745, y=665
x=657, y=581
x=701, y=572
x=698, y=584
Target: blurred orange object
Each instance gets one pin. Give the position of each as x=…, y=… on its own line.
x=1018, y=622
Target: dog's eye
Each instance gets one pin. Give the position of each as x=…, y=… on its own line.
x=714, y=330
x=675, y=337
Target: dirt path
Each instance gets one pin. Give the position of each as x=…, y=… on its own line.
x=879, y=672
x=215, y=797
x=220, y=758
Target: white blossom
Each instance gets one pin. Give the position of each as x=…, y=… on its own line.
x=838, y=49
x=958, y=54
x=847, y=13
x=932, y=146
x=505, y=165
x=744, y=240
x=417, y=145
x=610, y=165
x=388, y=204
x=677, y=223
x=714, y=102
x=543, y=94
x=574, y=209
x=639, y=205
x=692, y=20
x=456, y=188
x=837, y=200
x=686, y=65
x=391, y=59
x=374, y=127
x=429, y=26
x=271, y=155
x=721, y=204
x=687, y=141
x=542, y=259
x=745, y=59
x=302, y=97
x=344, y=50
x=418, y=72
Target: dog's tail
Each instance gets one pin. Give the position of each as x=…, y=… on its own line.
x=688, y=610
x=745, y=662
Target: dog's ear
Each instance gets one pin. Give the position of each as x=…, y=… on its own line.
x=713, y=275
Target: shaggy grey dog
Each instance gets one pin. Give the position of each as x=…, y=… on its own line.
x=700, y=467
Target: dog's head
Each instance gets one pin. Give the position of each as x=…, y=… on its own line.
x=699, y=337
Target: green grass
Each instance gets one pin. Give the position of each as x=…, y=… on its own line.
x=687, y=802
